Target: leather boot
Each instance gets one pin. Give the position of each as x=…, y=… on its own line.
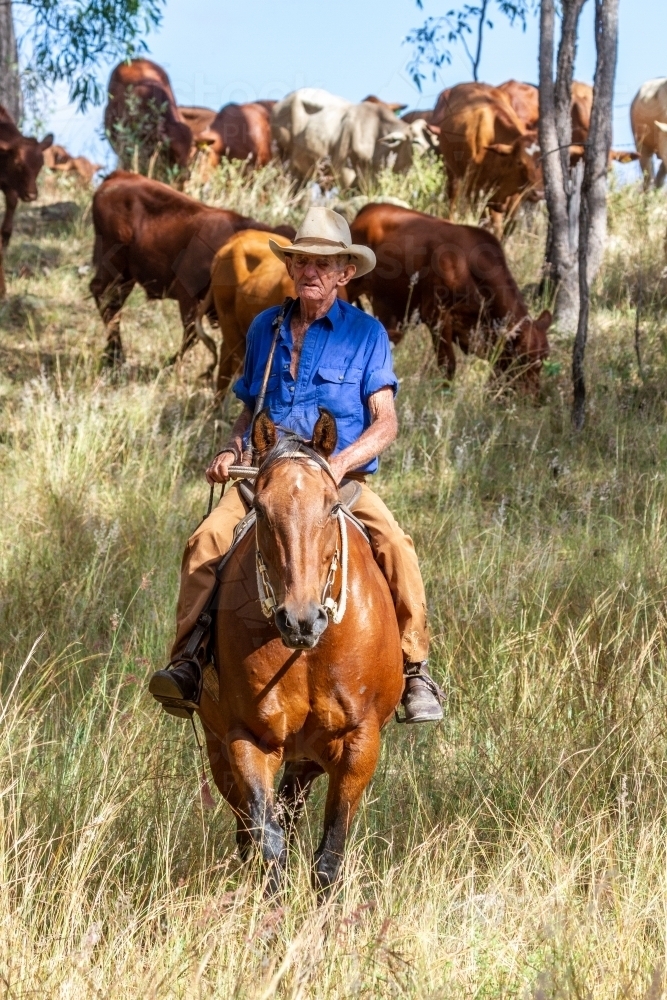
x=178, y=687
x=422, y=698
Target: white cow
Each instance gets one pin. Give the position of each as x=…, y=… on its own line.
x=648, y=116
x=311, y=125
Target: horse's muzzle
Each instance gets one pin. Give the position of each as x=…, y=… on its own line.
x=301, y=628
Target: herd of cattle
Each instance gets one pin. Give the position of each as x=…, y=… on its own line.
x=217, y=264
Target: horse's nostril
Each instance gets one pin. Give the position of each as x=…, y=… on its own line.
x=303, y=623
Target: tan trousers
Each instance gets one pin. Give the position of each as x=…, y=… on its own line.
x=392, y=548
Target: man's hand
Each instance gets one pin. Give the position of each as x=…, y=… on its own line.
x=218, y=470
x=338, y=468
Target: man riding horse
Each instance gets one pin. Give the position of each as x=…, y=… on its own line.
x=331, y=355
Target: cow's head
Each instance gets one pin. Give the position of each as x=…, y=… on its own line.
x=21, y=159
x=528, y=345
x=518, y=167
x=401, y=144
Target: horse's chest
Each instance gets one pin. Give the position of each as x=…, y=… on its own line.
x=293, y=700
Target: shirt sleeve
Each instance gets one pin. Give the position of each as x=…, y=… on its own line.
x=242, y=385
x=379, y=372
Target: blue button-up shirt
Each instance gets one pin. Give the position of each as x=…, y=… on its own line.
x=345, y=358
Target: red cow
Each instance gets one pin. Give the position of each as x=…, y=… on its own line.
x=486, y=149
x=21, y=159
x=150, y=235
x=142, y=111
x=240, y=132
x=458, y=279
x=525, y=100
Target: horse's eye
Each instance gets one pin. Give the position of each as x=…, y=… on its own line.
x=259, y=512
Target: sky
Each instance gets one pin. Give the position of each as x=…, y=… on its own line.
x=217, y=52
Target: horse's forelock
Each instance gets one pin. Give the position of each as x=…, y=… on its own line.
x=292, y=447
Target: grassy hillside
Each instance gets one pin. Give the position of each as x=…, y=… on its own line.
x=517, y=850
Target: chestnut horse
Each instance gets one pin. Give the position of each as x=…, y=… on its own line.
x=308, y=677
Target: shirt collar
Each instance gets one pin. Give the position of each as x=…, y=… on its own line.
x=332, y=318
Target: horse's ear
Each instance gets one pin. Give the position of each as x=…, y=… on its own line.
x=264, y=434
x=325, y=435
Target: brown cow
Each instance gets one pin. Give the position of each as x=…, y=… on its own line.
x=197, y=119
x=525, y=99
x=60, y=161
x=413, y=116
x=148, y=234
x=21, y=159
x=240, y=132
x=142, y=116
x=487, y=150
x=246, y=278
x=458, y=279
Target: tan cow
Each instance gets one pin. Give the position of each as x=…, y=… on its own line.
x=525, y=100
x=648, y=117
x=246, y=278
x=487, y=150
x=57, y=158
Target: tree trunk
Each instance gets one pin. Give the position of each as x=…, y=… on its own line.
x=593, y=224
x=10, y=82
x=560, y=184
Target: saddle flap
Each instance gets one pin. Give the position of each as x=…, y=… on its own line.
x=349, y=492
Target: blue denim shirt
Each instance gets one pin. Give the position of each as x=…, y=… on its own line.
x=345, y=358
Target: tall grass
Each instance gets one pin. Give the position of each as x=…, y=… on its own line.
x=518, y=850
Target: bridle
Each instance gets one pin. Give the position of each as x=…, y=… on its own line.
x=334, y=608
x=265, y=590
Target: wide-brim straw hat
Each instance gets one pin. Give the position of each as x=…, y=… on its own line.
x=324, y=233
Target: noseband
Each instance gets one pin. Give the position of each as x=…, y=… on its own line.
x=295, y=448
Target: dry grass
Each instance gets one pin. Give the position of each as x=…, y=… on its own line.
x=516, y=851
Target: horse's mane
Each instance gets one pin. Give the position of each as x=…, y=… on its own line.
x=291, y=446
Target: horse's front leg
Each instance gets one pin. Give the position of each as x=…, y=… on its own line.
x=254, y=770
x=294, y=790
x=347, y=782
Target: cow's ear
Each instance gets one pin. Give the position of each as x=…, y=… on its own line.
x=325, y=434
x=502, y=148
x=393, y=140
x=544, y=320
x=46, y=142
x=435, y=129
x=264, y=433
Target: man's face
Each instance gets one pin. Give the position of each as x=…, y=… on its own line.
x=318, y=278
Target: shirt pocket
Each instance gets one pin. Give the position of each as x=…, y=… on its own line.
x=338, y=389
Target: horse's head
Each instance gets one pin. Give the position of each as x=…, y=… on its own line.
x=296, y=500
